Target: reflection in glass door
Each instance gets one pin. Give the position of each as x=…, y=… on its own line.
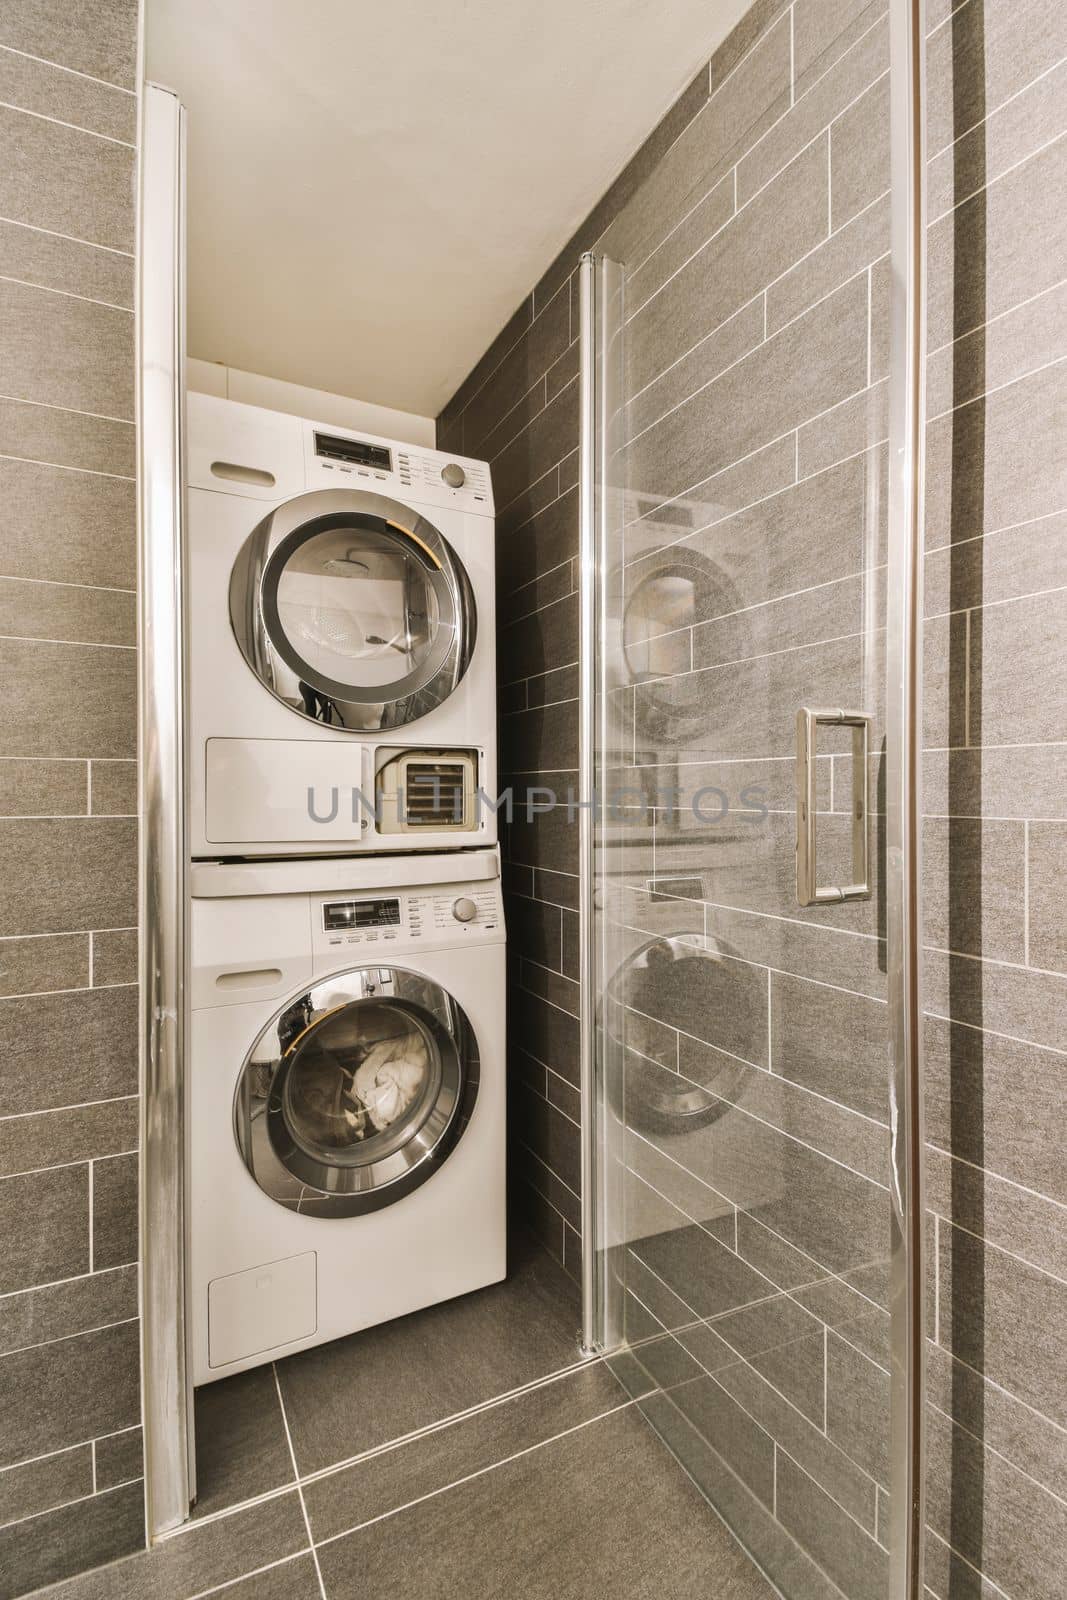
x=740, y=499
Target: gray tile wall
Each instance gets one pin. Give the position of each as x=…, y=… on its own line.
x=754, y=226
x=70, y=1449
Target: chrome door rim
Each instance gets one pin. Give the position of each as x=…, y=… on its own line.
x=260, y=636
x=285, y=1169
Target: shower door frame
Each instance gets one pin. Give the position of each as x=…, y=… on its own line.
x=162, y=914
x=904, y=800
x=903, y=771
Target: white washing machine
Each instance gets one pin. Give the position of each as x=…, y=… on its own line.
x=346, y=1083
x=342, y=656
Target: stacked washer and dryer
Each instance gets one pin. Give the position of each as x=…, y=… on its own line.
x=346, y=1107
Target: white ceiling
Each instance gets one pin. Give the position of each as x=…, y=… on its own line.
x=373, y=189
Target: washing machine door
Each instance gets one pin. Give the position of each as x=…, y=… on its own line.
x=353, y=610
x=356, y=1092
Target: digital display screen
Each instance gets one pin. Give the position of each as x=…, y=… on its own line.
x=354, y=452
x=342, y=915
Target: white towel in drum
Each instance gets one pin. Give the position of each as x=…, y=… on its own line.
x=390, y=1077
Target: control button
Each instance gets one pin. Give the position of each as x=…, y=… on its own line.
x=464, y=910
x=454, y=475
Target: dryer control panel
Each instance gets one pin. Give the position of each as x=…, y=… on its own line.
x=447, y=914
x=334, y=459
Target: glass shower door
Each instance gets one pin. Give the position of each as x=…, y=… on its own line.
x=744, y=1046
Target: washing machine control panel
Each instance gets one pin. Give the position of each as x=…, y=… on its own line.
x=446, y=914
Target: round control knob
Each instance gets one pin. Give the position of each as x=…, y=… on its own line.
x=454, y=475
x=464, y=910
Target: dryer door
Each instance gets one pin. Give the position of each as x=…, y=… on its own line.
x=356, y=1092
x=353, y=610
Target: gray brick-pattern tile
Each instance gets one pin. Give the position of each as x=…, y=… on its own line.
x=70, y=1491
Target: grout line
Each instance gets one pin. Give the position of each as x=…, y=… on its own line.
x=742, y=1362
x=75, y=127
x=231, y=1583
x=998, y=388
x=990, y=605
x=78, y=1105
x=770, y=1030
x=64, y=1505
x=1031, y=155
x=296, y=1475
x=71, y=238
x=67, y=583
x=967, y=680
x=639, y=267
x=62, y=466
x=995, y=533
x=47, y=405
x=91, y=1199
x=92, y=1457
x=390, y=1445
x=997, y=109
x=1026, y=893
x=63, y=1338
x=991, y=322
x=937, y=1278
x=984, y=1580
x=74, y=72
x=44, y=994
x=480, y=1473
x=988, y=1243
x=77, y=644
x=826, y=1275
x=792, y=56
x=67, y=294
x=738, y=210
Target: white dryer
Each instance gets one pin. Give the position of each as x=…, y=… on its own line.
x=342, y=672
x=346, y=1111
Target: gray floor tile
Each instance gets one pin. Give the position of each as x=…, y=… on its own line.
x=203, y=1558
x=357, y=1393
x=241, y=1448
x=295, y=1579
x=603, y=1511
x=398, y=1477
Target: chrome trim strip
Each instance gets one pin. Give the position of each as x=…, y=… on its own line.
x=166, y=1395
x=587, y=657
x=904, y=643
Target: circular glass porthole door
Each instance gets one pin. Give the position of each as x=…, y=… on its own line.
x=356, y=1092
x=353, y=610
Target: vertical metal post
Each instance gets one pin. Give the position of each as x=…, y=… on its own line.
x=162, y=901
x=587, y=658
x=904, y=732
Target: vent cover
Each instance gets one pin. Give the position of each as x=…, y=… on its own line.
x=422, y=791
x=434, y=793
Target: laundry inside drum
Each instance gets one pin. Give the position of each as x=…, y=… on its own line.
x=360, y=1083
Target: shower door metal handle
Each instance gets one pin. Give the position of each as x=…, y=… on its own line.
x=808, y=891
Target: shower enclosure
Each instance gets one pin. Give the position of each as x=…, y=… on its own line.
x=751, y=617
